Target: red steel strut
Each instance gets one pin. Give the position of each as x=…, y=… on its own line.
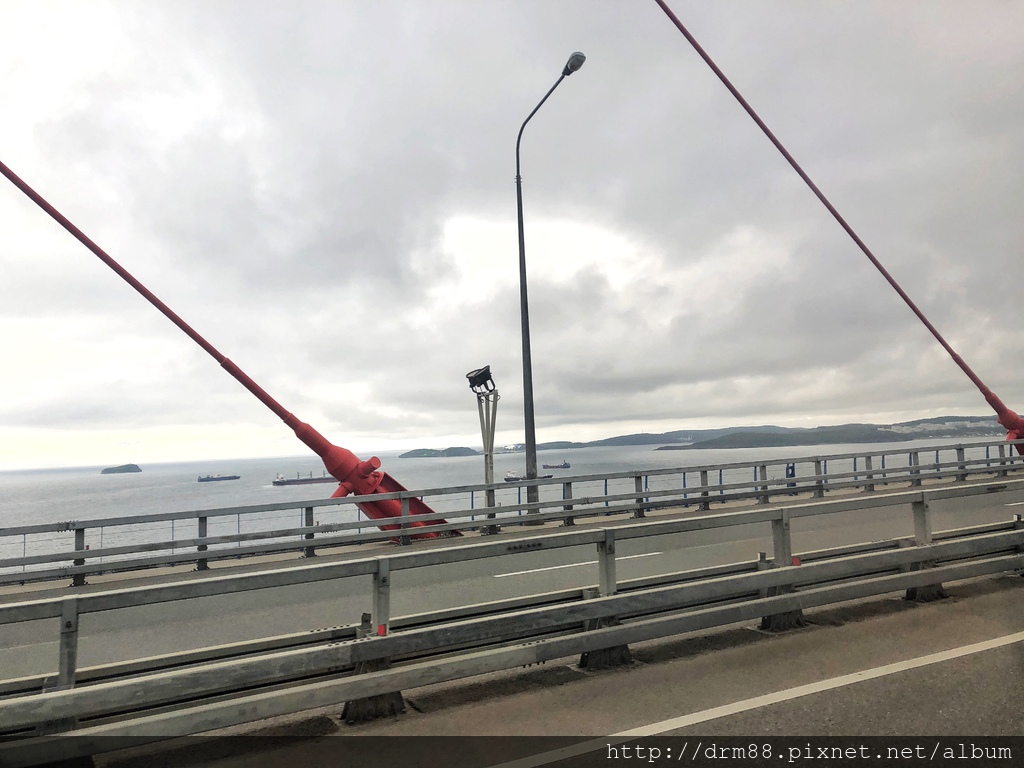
x=1013, y=423
x=354, y=476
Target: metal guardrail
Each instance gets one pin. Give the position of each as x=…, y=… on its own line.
x=214, y=688
x=75, y=554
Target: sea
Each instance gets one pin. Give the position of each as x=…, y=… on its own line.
x=81, y=493
x=46, y=496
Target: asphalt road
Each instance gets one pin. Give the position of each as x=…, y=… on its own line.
x=31, y=648
x=876, y=673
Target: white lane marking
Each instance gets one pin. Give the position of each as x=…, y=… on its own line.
x=1015, y=503
x=570, y=565
x=760, y=701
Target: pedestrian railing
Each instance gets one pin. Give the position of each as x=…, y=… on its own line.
x=80, y=548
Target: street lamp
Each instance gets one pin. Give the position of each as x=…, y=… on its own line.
x=487, y=397
x=574, y=63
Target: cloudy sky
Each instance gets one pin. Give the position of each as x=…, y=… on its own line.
x=326, y=191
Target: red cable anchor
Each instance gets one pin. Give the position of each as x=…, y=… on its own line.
x=354, y=476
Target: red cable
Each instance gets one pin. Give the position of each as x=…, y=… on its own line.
x=1007, y=418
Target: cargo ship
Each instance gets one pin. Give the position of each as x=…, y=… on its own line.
x=215, y=478
x=282, y=480
x=512, y=477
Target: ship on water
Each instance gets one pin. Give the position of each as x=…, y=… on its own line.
x=298, y=480
x=216, y=478
x=512, y=477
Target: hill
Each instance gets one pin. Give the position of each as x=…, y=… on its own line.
x=943, y=426
x=433, y=453
x=767, y=435
x=121, y=469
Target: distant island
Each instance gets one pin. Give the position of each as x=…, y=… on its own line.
x=121, y=469
x=766, y=436
x=431, y=453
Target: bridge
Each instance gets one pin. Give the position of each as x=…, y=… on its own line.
x=140, y=647
x=157, y=637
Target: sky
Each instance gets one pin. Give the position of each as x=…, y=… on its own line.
x=326, y=192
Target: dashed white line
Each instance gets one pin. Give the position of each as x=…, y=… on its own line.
x=569, y=565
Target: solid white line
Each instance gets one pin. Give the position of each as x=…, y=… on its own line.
x=570, y=565
x=760, y=701
x=822, y=685
x=1015, y=503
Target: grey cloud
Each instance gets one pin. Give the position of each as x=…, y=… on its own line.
x=299, y=222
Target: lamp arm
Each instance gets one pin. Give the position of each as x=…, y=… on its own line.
x=519, y=138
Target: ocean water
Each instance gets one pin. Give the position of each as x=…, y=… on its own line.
x=30, y=497
x=50, y=495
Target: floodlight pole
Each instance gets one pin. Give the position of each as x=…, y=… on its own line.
x=487, y=397
x=488, y=406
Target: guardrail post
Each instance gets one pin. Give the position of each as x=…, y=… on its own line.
x=404, y=539
x=819, y=482
x=78, y=579
x=607, y=581
x=922, y=522
x=382, y=596
x=783, y=558
x=1018, y=523
x=383, y=704
x=307, y=522
x=782, y=545
x=763, y=564
x=201, y=563
x=567, y=494
x=704, y=504
x=1002, y=460
x=869, y=486
x=915, y=473
x=639, y=486
x=67, y=663
x=764, y=479
x=962, y=466
x=923, y=538
x=619, y=655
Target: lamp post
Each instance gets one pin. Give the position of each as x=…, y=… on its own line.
x=487, y=397
x=574, y=63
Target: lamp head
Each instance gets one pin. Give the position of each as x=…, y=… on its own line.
x=574, y=63
x=480, y=380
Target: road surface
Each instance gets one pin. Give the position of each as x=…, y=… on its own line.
x=31, y=648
